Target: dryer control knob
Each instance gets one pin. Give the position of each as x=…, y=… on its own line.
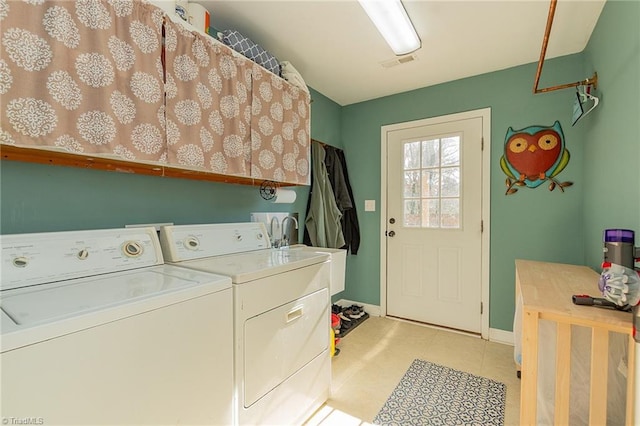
x=192, y=243
x=259, y=236
x=83, y=254
x=238, y=237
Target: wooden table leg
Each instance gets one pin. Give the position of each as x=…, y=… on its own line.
x=529, y=385
x=563, y=373
x=599, y=376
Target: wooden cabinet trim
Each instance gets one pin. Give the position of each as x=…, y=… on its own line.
x=96, y=162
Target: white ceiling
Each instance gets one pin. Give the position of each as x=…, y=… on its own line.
x=339, y=52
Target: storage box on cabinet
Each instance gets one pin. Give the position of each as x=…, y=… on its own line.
x=280, y=129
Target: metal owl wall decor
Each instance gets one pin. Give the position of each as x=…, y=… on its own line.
x=534, y=155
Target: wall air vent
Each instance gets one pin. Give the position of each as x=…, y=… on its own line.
x=399, y=60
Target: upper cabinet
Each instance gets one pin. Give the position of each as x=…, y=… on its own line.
x=119, y=79
x=83, y=76
x=280, y=129
x=208, y=103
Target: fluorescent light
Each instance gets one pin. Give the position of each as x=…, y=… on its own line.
x=393, y=23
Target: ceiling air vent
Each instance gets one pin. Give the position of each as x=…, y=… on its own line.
x=399, y=60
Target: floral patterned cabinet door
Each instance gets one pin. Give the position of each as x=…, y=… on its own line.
x=208, y=109
x=280, y=130
x=83, y=76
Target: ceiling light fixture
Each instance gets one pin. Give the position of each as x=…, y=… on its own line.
x=391, y=19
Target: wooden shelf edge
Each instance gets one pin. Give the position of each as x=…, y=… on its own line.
x=97, y=162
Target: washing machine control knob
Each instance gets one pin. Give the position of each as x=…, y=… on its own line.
x=132, y=249
x=83, y=254
x=20, y=262
x=192, y=243
x=259, y=236
x=239, y=237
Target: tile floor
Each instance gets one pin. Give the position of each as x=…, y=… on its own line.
x=374, y=357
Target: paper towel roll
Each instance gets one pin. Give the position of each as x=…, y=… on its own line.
x=284, y=196
x=199, y=17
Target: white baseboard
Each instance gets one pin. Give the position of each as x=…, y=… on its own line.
x=372, y=310
x=501, y=336
x=495, y=334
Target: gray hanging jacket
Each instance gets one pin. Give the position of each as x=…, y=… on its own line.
x=323, y=219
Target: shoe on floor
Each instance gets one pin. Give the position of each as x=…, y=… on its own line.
x=353, y=314
x=357, y=309
x=344, y=317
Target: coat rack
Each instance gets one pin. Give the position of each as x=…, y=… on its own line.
x=593, y=81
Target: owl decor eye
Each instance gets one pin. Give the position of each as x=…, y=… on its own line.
x=534, y=155
x=518, y=145
x=548, y=142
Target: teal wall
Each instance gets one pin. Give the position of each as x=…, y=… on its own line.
x=612, y=138
x=325, y=119
x=42, y=198
x=532, y=224
x=38, y=198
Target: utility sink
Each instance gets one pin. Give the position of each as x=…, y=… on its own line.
x=338, y=258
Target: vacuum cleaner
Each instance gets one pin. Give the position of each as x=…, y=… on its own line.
x=619, y=281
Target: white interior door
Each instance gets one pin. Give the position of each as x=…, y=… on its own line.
x=434, y=223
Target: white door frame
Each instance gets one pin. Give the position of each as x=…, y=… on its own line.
x=485, y=114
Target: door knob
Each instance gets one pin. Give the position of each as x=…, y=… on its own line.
x=392, y=233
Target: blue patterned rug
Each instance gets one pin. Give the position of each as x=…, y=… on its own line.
x=430, y=394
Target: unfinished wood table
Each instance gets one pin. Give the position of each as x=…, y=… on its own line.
x=546, y=290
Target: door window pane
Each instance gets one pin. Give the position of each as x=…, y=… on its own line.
x=412, y=155
x=431, y=153
x=412, y=213
x=431, y=213
x=431, y=183
x=450, y=214
x=451, y=182
x=412, y=184
x=451, y=151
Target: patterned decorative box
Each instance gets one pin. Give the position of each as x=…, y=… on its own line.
x=251, y=50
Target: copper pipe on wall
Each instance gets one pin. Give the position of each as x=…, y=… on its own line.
x=545, y=42
x=593, y=81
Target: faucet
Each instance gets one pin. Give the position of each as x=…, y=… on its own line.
x=275, y=243
x=285, y=238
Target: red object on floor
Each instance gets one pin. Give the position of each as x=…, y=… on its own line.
x=335, y=321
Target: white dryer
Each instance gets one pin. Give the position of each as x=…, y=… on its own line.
x=281, y=316
x=97, y=330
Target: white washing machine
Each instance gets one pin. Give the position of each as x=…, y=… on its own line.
x=97, y=330
x=281, y=316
